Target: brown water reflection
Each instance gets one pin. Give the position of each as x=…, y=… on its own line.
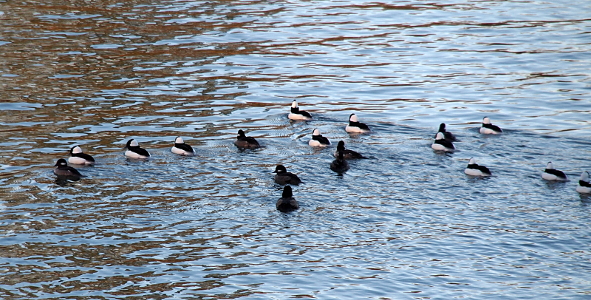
x=64, y=52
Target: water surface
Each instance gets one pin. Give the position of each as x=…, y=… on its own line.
x=404, y=224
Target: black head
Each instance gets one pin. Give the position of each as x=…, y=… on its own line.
x=287, y=192
x=341, y=146
x=280, y=169
x=61, y=162
x=241, y=133
x=442, y=127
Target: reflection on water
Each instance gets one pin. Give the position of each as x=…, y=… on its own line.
x=405, y=223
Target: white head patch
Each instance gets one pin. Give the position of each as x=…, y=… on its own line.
x=585, y=176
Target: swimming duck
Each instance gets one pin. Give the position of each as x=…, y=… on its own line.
x=297, y=114
x=287, y=202
x=474, y=169
x=446, y=134
x=245, y=142
x=339, y=165
x=347, y=154
x=62, y=170
x=79, y=158
x=552, y=174
x=318, y=140
x=283, y=177
x=488, y=128
x=135, y=151
x=584, y=186
x=441, y=144
x=181, y=148
x=355, y=126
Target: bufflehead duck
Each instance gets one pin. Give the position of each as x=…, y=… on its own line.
x=441, y=144
x=552, y=174
x=488, y=128
x=62, y=170
x=446, y=134
x=283, y=177
x=135, y=151
x=245, y=142
x=584, y=186
x=181, y=148
x=339, y=165
x=474, y=169
x=287, y=202
x=355, y=126
x=79, y=158
x=297, y=114
x=318, y=140
x=347, y=154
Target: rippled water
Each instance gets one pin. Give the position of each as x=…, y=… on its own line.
x=405, y=223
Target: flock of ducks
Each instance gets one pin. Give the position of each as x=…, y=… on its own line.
x=443, y=142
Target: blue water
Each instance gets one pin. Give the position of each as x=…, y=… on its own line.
x=406, y=223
